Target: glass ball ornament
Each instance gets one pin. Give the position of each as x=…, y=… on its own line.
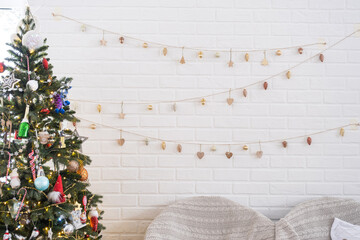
x=73, y=166
x=60, y=221
x=32, y=40
x=41, y=183
x=69, y=229
x=13, y=206
x=33, y=85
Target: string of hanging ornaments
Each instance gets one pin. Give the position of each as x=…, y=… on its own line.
x=199, y=52
x=245, y=145
x=229, y=100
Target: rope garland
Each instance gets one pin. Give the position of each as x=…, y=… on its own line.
x=221, y=143
x=227, y=91
x=160, y=44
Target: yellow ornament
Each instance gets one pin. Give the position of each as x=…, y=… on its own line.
x=288, y=74
x=163, y=145
x=150, y=107
x=217, y=54
x=93, y=126
x=342, y=132
x=200, y=54
x=247, y=56
x=145, y=45
x=278, y=53
x=99, y=108
x=164, y=51
x=203, y=101
x=245, y=147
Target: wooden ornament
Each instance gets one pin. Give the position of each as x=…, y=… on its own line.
x=265, y=85
x=228, y=154
x=300, y=50
x=245, y=93
x=164, y=51
x=145, y=45
x=231, y=63
x=146, y=141
x=121, y=141
x=264, y=61
x=203, y=101
x=182, y=60
x=93, y=126
x=200, y=155
x=83, y=28
x=99, y=108
x=179, y=148
x=217, y=54
x=213, y=148
x=122, y=115
x=342, y=132
x=174, y=107
x=230, y=101
x=288, y=74
x=121, y=39
x=245, y=147
x=150, y=107
x=247, y=57
x=284, y=143
x=278, y=53
x=200, y=54
x=309, y=140
x=163, y=145
x=321, y=57
x=259, y=154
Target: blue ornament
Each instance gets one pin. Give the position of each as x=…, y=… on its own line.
x=41, y=183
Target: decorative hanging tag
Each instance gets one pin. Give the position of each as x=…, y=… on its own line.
x=230, y=100
x=260, y=152
x=200, y=154
x=121, y=140
x=264, y=61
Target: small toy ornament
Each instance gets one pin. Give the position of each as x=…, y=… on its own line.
x=44, y=137
x=2, y=67
x=45, y=64
x=50, y=234
x=76, y=219
x=83, y=217
x=41, y=182
x=57, y=195
x=7, y=235
x=35, y=233
x=24, y=125
x=94, y=219
x=33, y=85
x=32, y=40
x=15, y=181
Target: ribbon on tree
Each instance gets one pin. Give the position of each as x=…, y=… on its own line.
x=8, y=167
x=32, y=164
x=28, y=66
x=22, y=202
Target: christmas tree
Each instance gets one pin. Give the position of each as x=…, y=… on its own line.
x=44, y=184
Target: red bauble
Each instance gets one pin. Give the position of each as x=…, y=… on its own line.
x=2, y=67
x=45, y=63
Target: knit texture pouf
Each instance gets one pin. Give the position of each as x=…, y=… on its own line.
x=217, y=218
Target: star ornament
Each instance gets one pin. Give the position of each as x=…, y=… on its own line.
x=10, y=81
x=103, y=42
x=81, y=138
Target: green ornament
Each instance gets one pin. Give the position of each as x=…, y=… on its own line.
x=24, y=125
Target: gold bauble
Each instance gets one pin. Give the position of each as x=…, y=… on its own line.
x=245, y=147
x=84, y=174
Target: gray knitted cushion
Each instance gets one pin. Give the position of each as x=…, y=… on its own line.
x=216, y=218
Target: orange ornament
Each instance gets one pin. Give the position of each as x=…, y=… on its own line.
x=84, y=174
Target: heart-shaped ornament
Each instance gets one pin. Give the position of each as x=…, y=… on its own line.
x=179, y=148
x=229, y=154
x=259, y=154
x=200, y=155
x=122, y=115
x=121, y=141
x=230, y=101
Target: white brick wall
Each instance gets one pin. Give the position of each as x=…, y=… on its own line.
x=138, y=181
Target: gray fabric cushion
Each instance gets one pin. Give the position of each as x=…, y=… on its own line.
x=217, y=218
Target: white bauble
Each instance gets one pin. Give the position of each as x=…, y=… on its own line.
x=32, y=40
x=33, y=85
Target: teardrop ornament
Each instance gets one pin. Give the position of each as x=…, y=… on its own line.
x=165, y=51
x=265, y=85
x=284, y=143
x=163, y=145
x=247, y=57
x=288, y=74
x=309, y=140
x=321, y=57
x=342, y=132
x=245, y=93
x=179, y=148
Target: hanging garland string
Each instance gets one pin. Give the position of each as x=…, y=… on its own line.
x=159, y=44
x=287, y=72
x=221, y=143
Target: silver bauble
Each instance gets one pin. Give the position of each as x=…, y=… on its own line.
x=33, y=85
x=32, y=40
x=68, y=229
